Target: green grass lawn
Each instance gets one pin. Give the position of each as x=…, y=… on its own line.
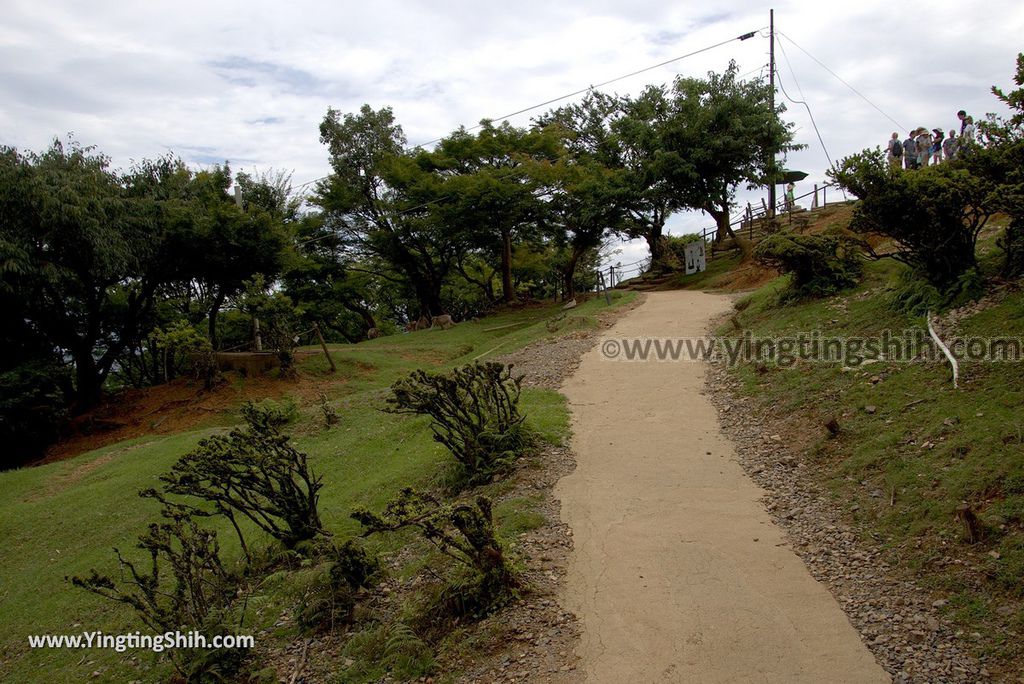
x=64, y=518
x=926, y=446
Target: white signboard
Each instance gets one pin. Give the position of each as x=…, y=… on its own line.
x=695, y=260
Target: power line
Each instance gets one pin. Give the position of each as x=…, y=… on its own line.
x=840, y=79
x=804, y=103
x=743, y=37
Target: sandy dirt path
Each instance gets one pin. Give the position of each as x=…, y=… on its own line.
x=678, y=574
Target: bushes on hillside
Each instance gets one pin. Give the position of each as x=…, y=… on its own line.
x=462, y=531
x=820, y=264
x=933, y=215
x=186, y=588
x=254, y=472
x=475, y=412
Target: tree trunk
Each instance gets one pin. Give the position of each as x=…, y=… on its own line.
x=218, y=302
x=656, y=241
x=507, y=291
x=88, y=381
x=569, y=274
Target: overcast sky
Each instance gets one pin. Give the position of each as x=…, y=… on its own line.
x=249, y=83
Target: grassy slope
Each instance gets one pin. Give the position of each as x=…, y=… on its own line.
x=62, y=519
x=902, y=470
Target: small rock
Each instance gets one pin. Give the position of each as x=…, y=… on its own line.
x=870, y=409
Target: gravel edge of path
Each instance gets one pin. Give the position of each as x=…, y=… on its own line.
x=898, y=620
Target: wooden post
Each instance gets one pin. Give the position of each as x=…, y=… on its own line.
x=824, y=195
x=256, y=334
x=611, y=276
x=814, y=204
x=607, y=294
x=323, y=345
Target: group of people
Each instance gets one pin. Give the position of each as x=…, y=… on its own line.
x=923, y=147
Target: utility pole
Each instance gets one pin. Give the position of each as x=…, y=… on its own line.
x=771, y=100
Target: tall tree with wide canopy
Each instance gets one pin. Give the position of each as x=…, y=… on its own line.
x=490, y=198
x=721, y=133
x=586, y=191
x=82, y=259
x=378, y=200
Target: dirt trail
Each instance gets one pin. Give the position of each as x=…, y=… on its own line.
x=678, y=573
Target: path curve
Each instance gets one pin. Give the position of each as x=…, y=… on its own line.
x=678, y=574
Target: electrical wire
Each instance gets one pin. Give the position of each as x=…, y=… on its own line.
x=805, y=105
x=745, y=36
x=841, y=80
x=599, y=85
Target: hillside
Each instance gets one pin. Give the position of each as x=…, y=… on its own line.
x=891, y=451
x=62, y=518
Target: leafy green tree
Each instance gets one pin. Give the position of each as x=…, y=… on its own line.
x=377, y=199
x=933, y=215
x=585, y=202
x=82, y=259
x=1001, y=162
x=326, y=287
x=720, y=133
x=222, y=244
x=490, y=199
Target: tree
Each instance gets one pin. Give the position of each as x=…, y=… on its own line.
x=640, y=133
x=490, y=198
x=720, y=133
x=377, y=200
x=83, y=259
x=934, y=215
x=1001, y=162
x=585, y=201
x=222, y=244
x=585, y=191
x=325, y=287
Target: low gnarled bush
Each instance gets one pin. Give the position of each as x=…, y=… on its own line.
x=475, y=412
x=254, y=472
x=820, y=265
x=462, y=531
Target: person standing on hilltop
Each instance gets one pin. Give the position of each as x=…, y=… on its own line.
x=962, y=115
x=967, y=130
x=910, y=151
x=937, y=145
x=949, y=145
x=895, y=151
x=924, y=146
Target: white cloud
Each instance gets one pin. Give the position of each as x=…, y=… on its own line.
x=250, y=82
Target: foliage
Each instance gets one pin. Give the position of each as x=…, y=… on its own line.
x=383, y=650
x=199, y=591
x=332, y=598
x=329, y=412
x=31, y=410
x=181, y=348
x=492, y=200
x=81, y=259
x=1001, y=163
x=254, y=472
x=720, y=133
x=464, y=532
x=277, y=320
x=934, y=215
x=268, y=414
x=820, y=264
x=377, y=200
x=474, y=411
